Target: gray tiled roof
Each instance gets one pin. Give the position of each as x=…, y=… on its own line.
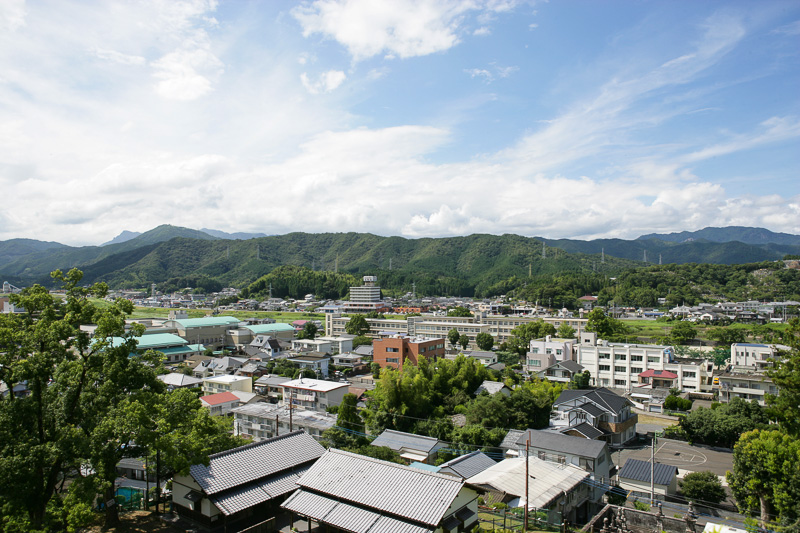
x=492, y=387
x=397, y=440
x=552, y=441
x=387, y=487
x=591, y=408
x=511, y=438
x=242, y=465
x=468, y=465
x=586, y=429
x=602, y=396
x=572, y=366
x=640, y=471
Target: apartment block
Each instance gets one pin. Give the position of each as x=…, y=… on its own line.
x=392, y=352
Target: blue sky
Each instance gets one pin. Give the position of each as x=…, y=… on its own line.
x=577, y=119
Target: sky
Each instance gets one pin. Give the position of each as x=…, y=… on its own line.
x=418, y=118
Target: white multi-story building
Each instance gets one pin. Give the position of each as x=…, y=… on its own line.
x=755, y=356
x=543, y=353
x=619, y=365
x=743, y=383
x=313, y=394
x=261, y=421
x=227, y=383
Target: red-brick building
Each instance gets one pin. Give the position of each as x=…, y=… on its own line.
x=393, y=351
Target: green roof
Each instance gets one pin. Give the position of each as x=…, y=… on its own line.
x=259, y=329
x=155, y=341
x=207, y=321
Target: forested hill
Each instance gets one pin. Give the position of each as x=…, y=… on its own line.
x=476, y=265
x=757, y=236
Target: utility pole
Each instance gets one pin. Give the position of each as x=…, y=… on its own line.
x=527, y=467
x=653, y=469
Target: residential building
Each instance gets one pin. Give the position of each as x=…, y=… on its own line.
x=757, y=357
x=562, y=371
x=591, y=455
x=619, y=365
x=609, y=414
x=410, y=447
x=467, y=465
x=394, y=351
x=351, y=492
x=313, y=394
x=176, y=380
x=227, y=383
x=544, y=353
x=218, y=366
x=560, y=490
x=316, y=361
x=264, y=347
x=484, y=358
x=339, y=344
x=635, y=475
x=492, y=387
x=741, y=382
x=260, y=421
x=269, y=386
x=312, y=345
x=246, y=485
x=221, y=403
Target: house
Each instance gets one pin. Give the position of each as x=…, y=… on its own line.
x=220, y=403
x=545, y=352
x=467, y=465
x=313, y=394
x=609, y=414
x=176, y=380
x=492, y=387
x=339, y=344
x=244, y=486
x=635, y=475
x=394, y=351
x=263, y=347
x=562, y=371
x=588, y=454
x=227, y=383
x=410, y=447
x=270, y=386
x=758, y=357
x=350, y=492
x=509, y=444
x=316, y=361
x=483, y=357
x=740, y=382
x=218, y=366
x=260, y=421
x=658, y=378
x=552, y=488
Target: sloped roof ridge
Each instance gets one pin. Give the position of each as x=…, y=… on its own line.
x=252, y=445
x=407, y=433
x=405, y=468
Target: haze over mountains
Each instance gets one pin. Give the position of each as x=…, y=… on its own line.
x=167, y=252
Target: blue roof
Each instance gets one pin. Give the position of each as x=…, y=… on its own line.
x=423, y=466
x=155, y=341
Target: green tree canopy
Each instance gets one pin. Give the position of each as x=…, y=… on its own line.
x=565, y=331
x=484, y=340
x=309, y=331
x=702, y=488
x=463, y=340
x=522, y=335
x=459, y=311
x=357, y=325
x=605, y=326
x=683, y=332
x=453, y=336
x=785, y=407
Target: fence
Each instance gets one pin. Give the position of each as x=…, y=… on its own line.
x=513, y=520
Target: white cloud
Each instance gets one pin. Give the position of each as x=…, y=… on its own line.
x=186, y=74
x=406, y=28
x=325, y=83
x=12, y=15
x=793, y=28
x=479, y=73
x=483, y=30
x=118, y=57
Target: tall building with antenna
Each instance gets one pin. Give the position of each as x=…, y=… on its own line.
x=366, y=298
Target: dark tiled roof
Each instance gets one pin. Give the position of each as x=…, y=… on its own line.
x=588, y=430
x=602, y=396
x=572, y=366
x=640, y=471
x=468, y=465
x=397, y=440
x=591, y=408
x=511, y=438
x=552, y=441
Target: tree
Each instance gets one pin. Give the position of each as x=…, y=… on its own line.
x=459, y=312
x=361, y=340
x=522, y=335
x=453, y=336
x=348, y=418
x=309, y=331
x=484, y=340
x=682, y=332
x=93, y=401
x=357, y=325
x=766, y=475
x=785, y=407
x=463, y=340
x=727, y=335
x=565, y=331
x=702, y=488
x=605, y=326
x=582, y=380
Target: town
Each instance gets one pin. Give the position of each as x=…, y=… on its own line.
x=448, y=415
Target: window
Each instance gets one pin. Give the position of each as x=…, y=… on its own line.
x=534, y=362
x=604, y=356
x=620, y=382
x=392, y=350
x=534, y=350
x=393, y=360
x=604, y=367
x=653, y=359
x=620, y=369
x=621, y=357
x=636, y=370
x=690, y=374
x=636, y=358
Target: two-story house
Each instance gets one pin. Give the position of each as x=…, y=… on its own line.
x=579, y=412
x=313, y=394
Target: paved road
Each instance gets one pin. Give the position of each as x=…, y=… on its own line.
x=680, y=454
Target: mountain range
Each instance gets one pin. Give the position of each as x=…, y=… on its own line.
x=168, y=252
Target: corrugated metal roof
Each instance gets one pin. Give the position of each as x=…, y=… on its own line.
x=248, y=463
x=511, y=438
x=546, y=482
x=397, y=440
x=640, y=471
x=309, y=504
x=238, y=499
x=468, y=465
x=565, y=444
x=386, y=524
x=389, y=487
